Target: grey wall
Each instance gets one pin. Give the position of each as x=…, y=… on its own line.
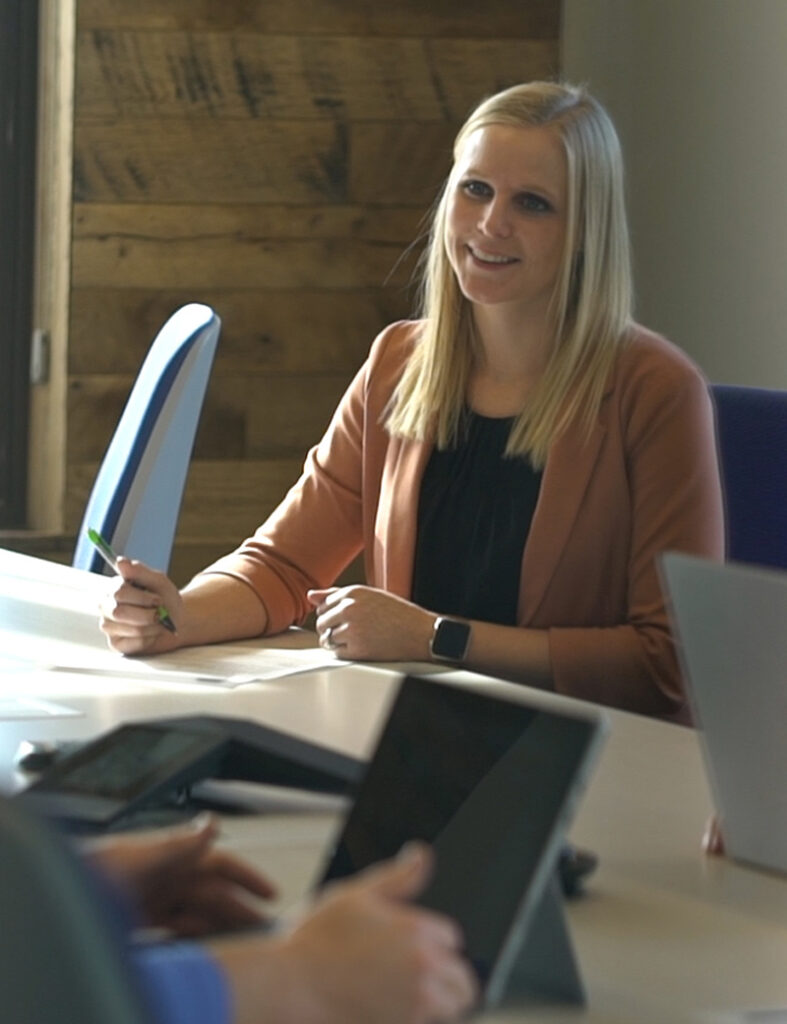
x=698, y=90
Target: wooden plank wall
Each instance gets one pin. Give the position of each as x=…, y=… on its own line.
x=274, y=160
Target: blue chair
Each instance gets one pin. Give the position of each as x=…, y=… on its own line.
x=752, y=438
x=136, y=497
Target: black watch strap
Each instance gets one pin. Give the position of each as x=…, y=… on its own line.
x=450, y=639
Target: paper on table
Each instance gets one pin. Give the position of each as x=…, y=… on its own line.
x=81, y=648
x=234, y=664
x=245, y=661
x=219, y=665
x=225, y=665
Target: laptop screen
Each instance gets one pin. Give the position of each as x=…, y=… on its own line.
x=729, y=622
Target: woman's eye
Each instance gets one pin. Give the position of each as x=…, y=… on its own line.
x=534, y=203
x=477, y=189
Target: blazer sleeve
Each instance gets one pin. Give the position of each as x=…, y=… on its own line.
x=326, y=518
x=316, y=530
x=672, y=478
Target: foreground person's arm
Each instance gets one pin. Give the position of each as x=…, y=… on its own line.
x=363, y=954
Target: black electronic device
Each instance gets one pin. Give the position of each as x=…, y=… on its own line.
x=148, y=764
x=491, y=784
x=574, y=866
x=450, y=639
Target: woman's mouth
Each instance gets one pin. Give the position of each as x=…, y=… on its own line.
x=491, y=259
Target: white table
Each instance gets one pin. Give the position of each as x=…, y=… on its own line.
x=664, y=934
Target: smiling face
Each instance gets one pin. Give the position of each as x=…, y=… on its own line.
x=506, y=217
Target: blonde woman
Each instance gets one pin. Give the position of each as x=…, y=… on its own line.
x=511, y=463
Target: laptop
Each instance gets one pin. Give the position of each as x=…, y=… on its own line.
x=491, y=782
x=730, y=622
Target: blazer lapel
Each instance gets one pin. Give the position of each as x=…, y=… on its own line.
x=398, y=513
x=568, y=471
x=569, y=467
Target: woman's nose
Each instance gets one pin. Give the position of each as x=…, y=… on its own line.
x=494, y=220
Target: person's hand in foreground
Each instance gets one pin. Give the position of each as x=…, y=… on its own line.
x=179, y=880
x=364, y=954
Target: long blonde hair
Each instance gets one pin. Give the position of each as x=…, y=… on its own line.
x=592, y=299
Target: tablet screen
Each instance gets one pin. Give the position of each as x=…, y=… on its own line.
x=135, y=759
x=488, y=783
x=107, y=776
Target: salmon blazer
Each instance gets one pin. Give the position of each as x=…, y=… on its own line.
x=643, y=480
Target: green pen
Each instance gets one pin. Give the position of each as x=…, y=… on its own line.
x=111, y=559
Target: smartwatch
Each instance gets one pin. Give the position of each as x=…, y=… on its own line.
x=450, y=639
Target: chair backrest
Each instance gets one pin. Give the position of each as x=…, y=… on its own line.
x=752, y=438
x=62, y=955
x=136, y=497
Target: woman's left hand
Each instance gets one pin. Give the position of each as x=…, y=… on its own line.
x=366, y=624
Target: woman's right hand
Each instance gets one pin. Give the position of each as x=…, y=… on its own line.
x=129, y=612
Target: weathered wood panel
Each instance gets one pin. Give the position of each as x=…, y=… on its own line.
x=274, y=161
x=400, y=163
x=285, y=415
x=189, y=556
x=261, y=247
x=242, y=416
x=231, y=498
x=224, y=499
x=250, y=75
x=306, y=163
x=263, y=332
x=94, y=407
x=332, y=263
x=230, y=222
x=202, y=162
x=533, y=19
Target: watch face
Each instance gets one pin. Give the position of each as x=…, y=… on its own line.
x=450, y=639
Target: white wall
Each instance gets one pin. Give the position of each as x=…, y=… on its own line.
x=698, y=91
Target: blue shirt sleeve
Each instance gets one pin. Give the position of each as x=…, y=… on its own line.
x=183, y=983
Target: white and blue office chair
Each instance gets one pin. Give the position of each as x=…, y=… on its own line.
x=135, y=501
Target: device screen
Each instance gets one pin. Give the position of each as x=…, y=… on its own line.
x=127, y=762
x=486, y=782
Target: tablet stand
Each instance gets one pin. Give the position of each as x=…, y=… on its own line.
x=545, y=967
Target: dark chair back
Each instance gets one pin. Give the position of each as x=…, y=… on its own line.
x=752, y=438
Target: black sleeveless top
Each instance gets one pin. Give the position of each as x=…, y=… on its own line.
x=474, y=515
